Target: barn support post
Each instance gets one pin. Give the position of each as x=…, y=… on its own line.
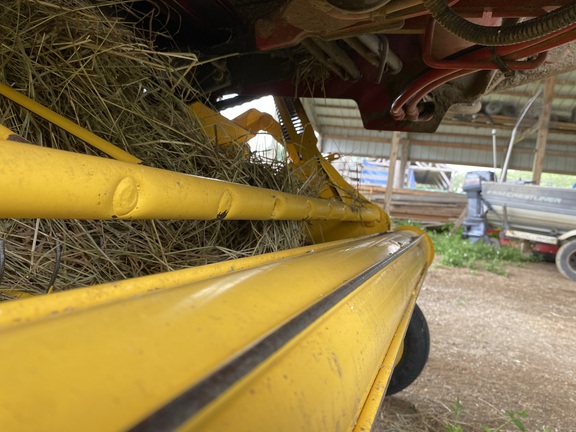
x=543, y=125
x=391, y=169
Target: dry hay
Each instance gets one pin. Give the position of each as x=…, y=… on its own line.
x=397, y=414
x=105, y=74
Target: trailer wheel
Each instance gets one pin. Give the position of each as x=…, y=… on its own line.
x=566, y=259
x=414, y=355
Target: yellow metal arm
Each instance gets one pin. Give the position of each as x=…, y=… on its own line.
x=223, y=131
x=68, y=125
x=282, y=344
x=302, y=146
x=254, y=121
x=38, y=182
x=310, y=164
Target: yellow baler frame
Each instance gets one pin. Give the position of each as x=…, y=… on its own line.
x=163, y=352
x=314, y=346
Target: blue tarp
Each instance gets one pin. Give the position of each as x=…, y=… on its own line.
x=375, y=174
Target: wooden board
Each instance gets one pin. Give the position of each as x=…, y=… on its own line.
x=417, y=205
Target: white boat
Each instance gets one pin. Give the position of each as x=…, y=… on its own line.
x=526, y=207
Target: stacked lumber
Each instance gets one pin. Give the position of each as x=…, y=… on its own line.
x=419, y=205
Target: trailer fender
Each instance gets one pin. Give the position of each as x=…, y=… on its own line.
x=567, y=235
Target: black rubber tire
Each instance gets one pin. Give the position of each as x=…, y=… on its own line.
x=414, y=356
x=546, y=257
x=566, y=259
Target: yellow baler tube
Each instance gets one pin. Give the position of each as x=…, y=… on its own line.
x=15, y=312
x=378, y=391
x=39, y=182
x=68, y=125
x=292, y=344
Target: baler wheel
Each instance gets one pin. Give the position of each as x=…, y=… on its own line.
x=414, y=354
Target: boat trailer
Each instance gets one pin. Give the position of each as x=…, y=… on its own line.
x=535, y=215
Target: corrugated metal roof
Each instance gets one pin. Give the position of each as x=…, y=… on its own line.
x=465, y=141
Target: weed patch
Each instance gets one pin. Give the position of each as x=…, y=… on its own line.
x=457, y=252
x=454, y=251
x=515, y=419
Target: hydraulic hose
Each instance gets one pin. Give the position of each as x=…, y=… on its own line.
x=507, y=35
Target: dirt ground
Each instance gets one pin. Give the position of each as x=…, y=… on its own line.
x=498, y=343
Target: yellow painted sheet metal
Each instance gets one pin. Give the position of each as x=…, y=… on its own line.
x=218, y=127
x=38, y=182
x=256, y=121
x=378, y=391
x=15, y=313
x=292, y=344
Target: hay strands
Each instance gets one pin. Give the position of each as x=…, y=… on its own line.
x=103, y=72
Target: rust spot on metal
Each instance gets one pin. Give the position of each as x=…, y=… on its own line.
x=224, y=205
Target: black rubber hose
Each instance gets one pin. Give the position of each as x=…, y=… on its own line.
x=496, y=36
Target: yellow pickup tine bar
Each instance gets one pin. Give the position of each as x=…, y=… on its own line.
x=39, y=182
x=68, y=125
x=280, y=344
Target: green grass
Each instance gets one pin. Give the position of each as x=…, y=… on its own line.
x=457, y=252
x=454, y=251
x=514, y=419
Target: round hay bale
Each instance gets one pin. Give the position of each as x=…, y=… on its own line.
x=105, y=74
